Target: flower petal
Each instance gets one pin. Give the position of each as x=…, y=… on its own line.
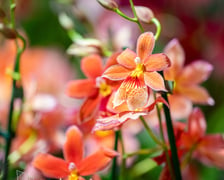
x=73, y=147
x=196, y=94
x=89, y=109
x=112, y=60
x=92, y=66
x=127, y=59
x=156, y=62
x=51, y=166
x=196, y=72
x=116, y=73
x=197, y=124
x=176, y=55
x=95, y=162
x=180, y=106
x=137, y=98
x=145, y=45
x=120, y=96
x=211, y=151
x=107, y=123
x=81, y=88
x=155, y=81
x=117, y=120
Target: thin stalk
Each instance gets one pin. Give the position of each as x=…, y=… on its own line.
x=174, y=155
x=17, y=92
x=114, y=170
x=135, y=15
x=123, y=163
x=118, y=11
x=143, y=152
x=168, y=161
x=158, y=27
x=148, y=129
x=3, y=134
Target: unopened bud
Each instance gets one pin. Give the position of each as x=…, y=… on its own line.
x=108, y=4
x=8, y=32
x=2, y=14
x=144, y=14
x=65, y=21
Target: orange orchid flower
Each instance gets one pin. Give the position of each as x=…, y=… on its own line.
x=186, y=81
x=138, y=72
x=94, y=88
x=74, y=166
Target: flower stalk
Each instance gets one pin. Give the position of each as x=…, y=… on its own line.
x=17, y=93
x=114, y=170
x=174, y=155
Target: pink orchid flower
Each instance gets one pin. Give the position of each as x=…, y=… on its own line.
x=186, y=81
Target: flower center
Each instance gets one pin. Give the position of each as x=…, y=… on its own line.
x=103, y=133
x=139, y=70
x=73, y=172
x=104, y=88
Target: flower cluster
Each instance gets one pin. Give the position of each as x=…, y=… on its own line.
x=135, y=107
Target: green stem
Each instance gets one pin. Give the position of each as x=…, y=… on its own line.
x=151, y=133
x=17, y=92
x=169, y=125
x=135, y=19
x=163, y=139
x=158, y=27
x=143, y=152
x=135, y=15
x=125, y=16
x=114, y=170
x=3, y=134
x=123, y=163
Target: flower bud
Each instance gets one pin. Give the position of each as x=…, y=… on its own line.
x=8, y=32
x=84, y=47
x=108, y=4
x=144, y=14
x=2, y=14
x=65, y=21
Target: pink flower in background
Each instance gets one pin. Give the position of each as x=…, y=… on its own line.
x=187, y=89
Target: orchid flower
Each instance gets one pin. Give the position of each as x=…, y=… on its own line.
x=186, y=81
x=94, y=88
x=74, y=166
x=138, y=72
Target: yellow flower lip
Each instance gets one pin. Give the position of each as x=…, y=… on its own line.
x=72, y=168
x=139, y=70
x=104, y=88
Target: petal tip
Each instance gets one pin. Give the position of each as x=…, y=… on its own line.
x=211, y=101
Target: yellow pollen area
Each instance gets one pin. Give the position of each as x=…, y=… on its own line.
x=103, y=133
x=139, y=70
x=73, y=175
x=105, y=89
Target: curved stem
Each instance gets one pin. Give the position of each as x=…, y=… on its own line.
x=135, y=15
x=118, y=11
x=158, y=27
x=151, y=133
